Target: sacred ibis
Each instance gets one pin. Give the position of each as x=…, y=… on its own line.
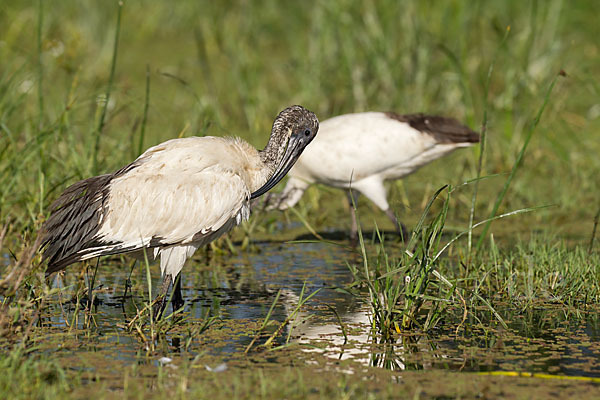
x=175, y=197
x=360, y=151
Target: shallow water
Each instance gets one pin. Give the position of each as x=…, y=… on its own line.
x=240, y=289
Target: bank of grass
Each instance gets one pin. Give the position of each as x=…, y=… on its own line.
x=204, y=68
x=409, y=289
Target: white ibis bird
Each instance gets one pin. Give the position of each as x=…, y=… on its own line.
x=174, y=198
x=360, y=151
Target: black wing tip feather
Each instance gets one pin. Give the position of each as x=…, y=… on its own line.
x=443, y=129
x=108, y=249
x=70, y=233
x=74, y=222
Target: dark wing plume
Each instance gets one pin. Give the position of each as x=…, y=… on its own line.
x=443, y=129
x=75, y=219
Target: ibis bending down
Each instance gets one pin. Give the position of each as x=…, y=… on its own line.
x=174, y=198
x=360, y=151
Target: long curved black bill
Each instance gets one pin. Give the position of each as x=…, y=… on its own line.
x=295, y=147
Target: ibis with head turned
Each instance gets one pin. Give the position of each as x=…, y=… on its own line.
x=360, y=151
x=174, y=198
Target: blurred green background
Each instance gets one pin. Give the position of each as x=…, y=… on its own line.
x=228, y=67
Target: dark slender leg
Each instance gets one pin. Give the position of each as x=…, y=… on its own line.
x=352, y=197
x=161, y=299
x=91, y=281
x=127, y=285
x=177, y=300
x=400, y=228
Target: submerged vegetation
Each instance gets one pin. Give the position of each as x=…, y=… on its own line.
x=503, y=261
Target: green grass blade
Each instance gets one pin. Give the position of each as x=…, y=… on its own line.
x=113, y=66
x=484, y=124
x=517, y=163
x=145, y=117
x=40, y=65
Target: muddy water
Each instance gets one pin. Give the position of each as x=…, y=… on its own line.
x=240, y=289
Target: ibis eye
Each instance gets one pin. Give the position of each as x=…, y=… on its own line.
x=307, y=132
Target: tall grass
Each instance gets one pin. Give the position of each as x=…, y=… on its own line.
x=519, y=159
x=106, y=99
x=242, y=66
x=415, y=289
x=483, y=139
x=398, y=288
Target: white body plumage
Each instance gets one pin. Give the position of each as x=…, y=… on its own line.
x=182, y=194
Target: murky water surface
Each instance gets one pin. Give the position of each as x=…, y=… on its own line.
x=242, y=288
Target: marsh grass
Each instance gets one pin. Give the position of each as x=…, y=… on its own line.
x=152, y=329
x=397, y=287
x=68, y=110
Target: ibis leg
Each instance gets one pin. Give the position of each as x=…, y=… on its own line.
x=161, y=299
x=177, y=300
x=400, y=228
x=352, y=201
